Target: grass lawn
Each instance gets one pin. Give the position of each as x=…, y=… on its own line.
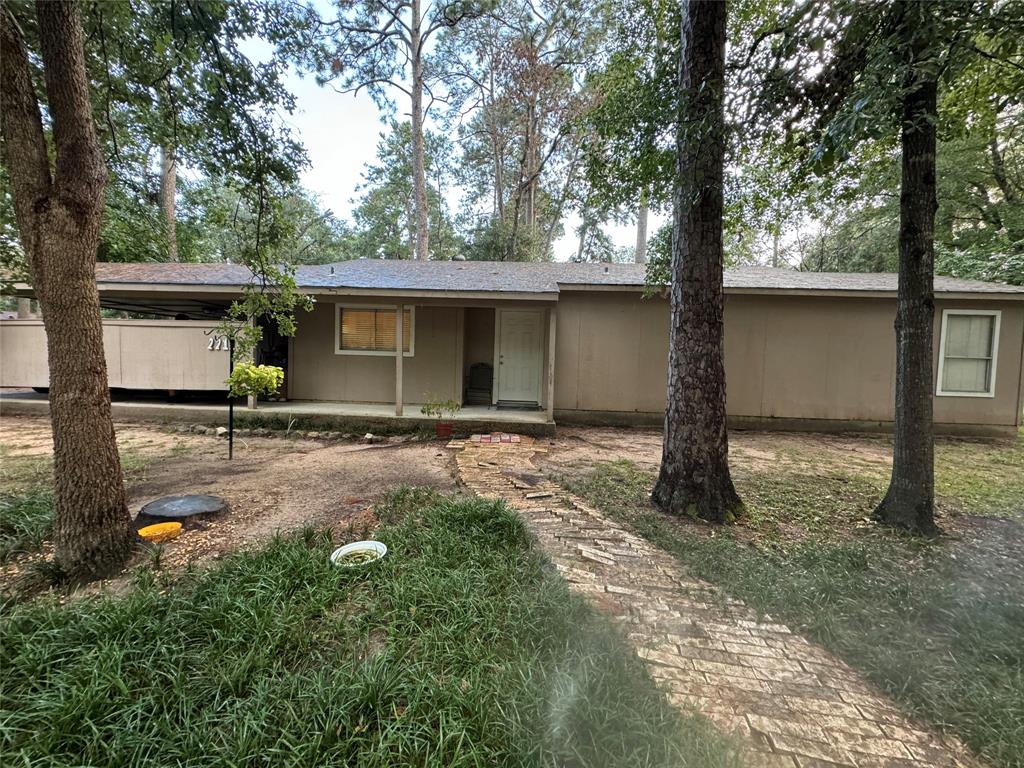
x=939, y=625
x=26, y=498
x=462, y=648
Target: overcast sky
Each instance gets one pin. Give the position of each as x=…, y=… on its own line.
x=341, y=131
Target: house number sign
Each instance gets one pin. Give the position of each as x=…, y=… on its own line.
x=217, y=343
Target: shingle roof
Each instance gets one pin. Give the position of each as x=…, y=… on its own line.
x=513, y=277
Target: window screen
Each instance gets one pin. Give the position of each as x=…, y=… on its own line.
x=372, y=330
x=968, y=354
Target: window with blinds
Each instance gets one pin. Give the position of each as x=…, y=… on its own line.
x=967, y=355
x=371, y=330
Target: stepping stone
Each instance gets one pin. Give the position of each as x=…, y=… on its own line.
x=181, y=508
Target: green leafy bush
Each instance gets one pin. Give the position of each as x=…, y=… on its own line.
x=250, y=379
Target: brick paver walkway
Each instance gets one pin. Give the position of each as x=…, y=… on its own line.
x=791, y=702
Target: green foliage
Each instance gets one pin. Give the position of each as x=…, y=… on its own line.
x=632, y=124
x=385, y=221
x=461, y=648
x=814, y=90
x=825, y=83
x=25, y=521
x=517, y=92
x=440, y=408
x=214, y=224
x=133, y=228
x=174, y=75
x=248, y=379
x=496, y=239
x=979, y=227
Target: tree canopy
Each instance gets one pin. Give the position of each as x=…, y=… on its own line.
x=538, y=112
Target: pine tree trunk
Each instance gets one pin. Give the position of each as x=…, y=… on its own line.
x=168, y=198
x=694, y=479
x=909, y=502
x=419, y=172
x=59, y=221
x=499, y=164
x=640, y=254
x=581, y=248
x=776, y=237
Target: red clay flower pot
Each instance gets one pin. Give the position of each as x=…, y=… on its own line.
x=444, y=431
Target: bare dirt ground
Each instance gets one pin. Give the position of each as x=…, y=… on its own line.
x=989, y=542
x=577, y=447
x=272, y=485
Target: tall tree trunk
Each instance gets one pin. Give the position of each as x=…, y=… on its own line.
x=58, y=219
x=496, y=149
x=694, y=479
x=640, y=254
x=909, y=502
x=581, y=248
x=168, y=198
x=999, y=169
x=419, y=171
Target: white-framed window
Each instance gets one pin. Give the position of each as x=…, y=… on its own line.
x=361, y=329
x=968, y=351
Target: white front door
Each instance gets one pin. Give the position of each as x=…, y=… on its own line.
x=520, y=355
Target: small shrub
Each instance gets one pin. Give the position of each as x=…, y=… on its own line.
x=249, y=379
x=440, y=408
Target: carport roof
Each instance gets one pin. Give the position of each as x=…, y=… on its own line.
x=509, y=277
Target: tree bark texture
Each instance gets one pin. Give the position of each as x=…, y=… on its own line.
x=640, y=254
x=58, y=217
x=909, y=502
x=168, y=198
x=419, y=172
x=694, y=479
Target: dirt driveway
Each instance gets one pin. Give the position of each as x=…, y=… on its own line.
x=272, y=485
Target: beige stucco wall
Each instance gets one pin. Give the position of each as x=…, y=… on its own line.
x=787, y=357
x=141, y=354
x=317, y=373
x=793, y=357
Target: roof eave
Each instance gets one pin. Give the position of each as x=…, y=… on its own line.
x=430, y=294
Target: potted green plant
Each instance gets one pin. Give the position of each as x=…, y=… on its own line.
x=248, y=379
x=439, y=409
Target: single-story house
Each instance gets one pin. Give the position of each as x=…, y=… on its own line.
x=572, y=342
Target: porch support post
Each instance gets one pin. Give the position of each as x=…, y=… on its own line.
x=549, y=394
x=399, y=358
x=250, y=401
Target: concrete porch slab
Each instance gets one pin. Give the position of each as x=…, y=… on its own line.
x=351, y=417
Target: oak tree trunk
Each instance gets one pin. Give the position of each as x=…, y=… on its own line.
x=909, y=502
x=694, y=479
x=58, y=217
x=419, y=172
x=168, y=198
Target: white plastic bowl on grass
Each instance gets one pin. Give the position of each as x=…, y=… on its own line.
x=358, y=553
